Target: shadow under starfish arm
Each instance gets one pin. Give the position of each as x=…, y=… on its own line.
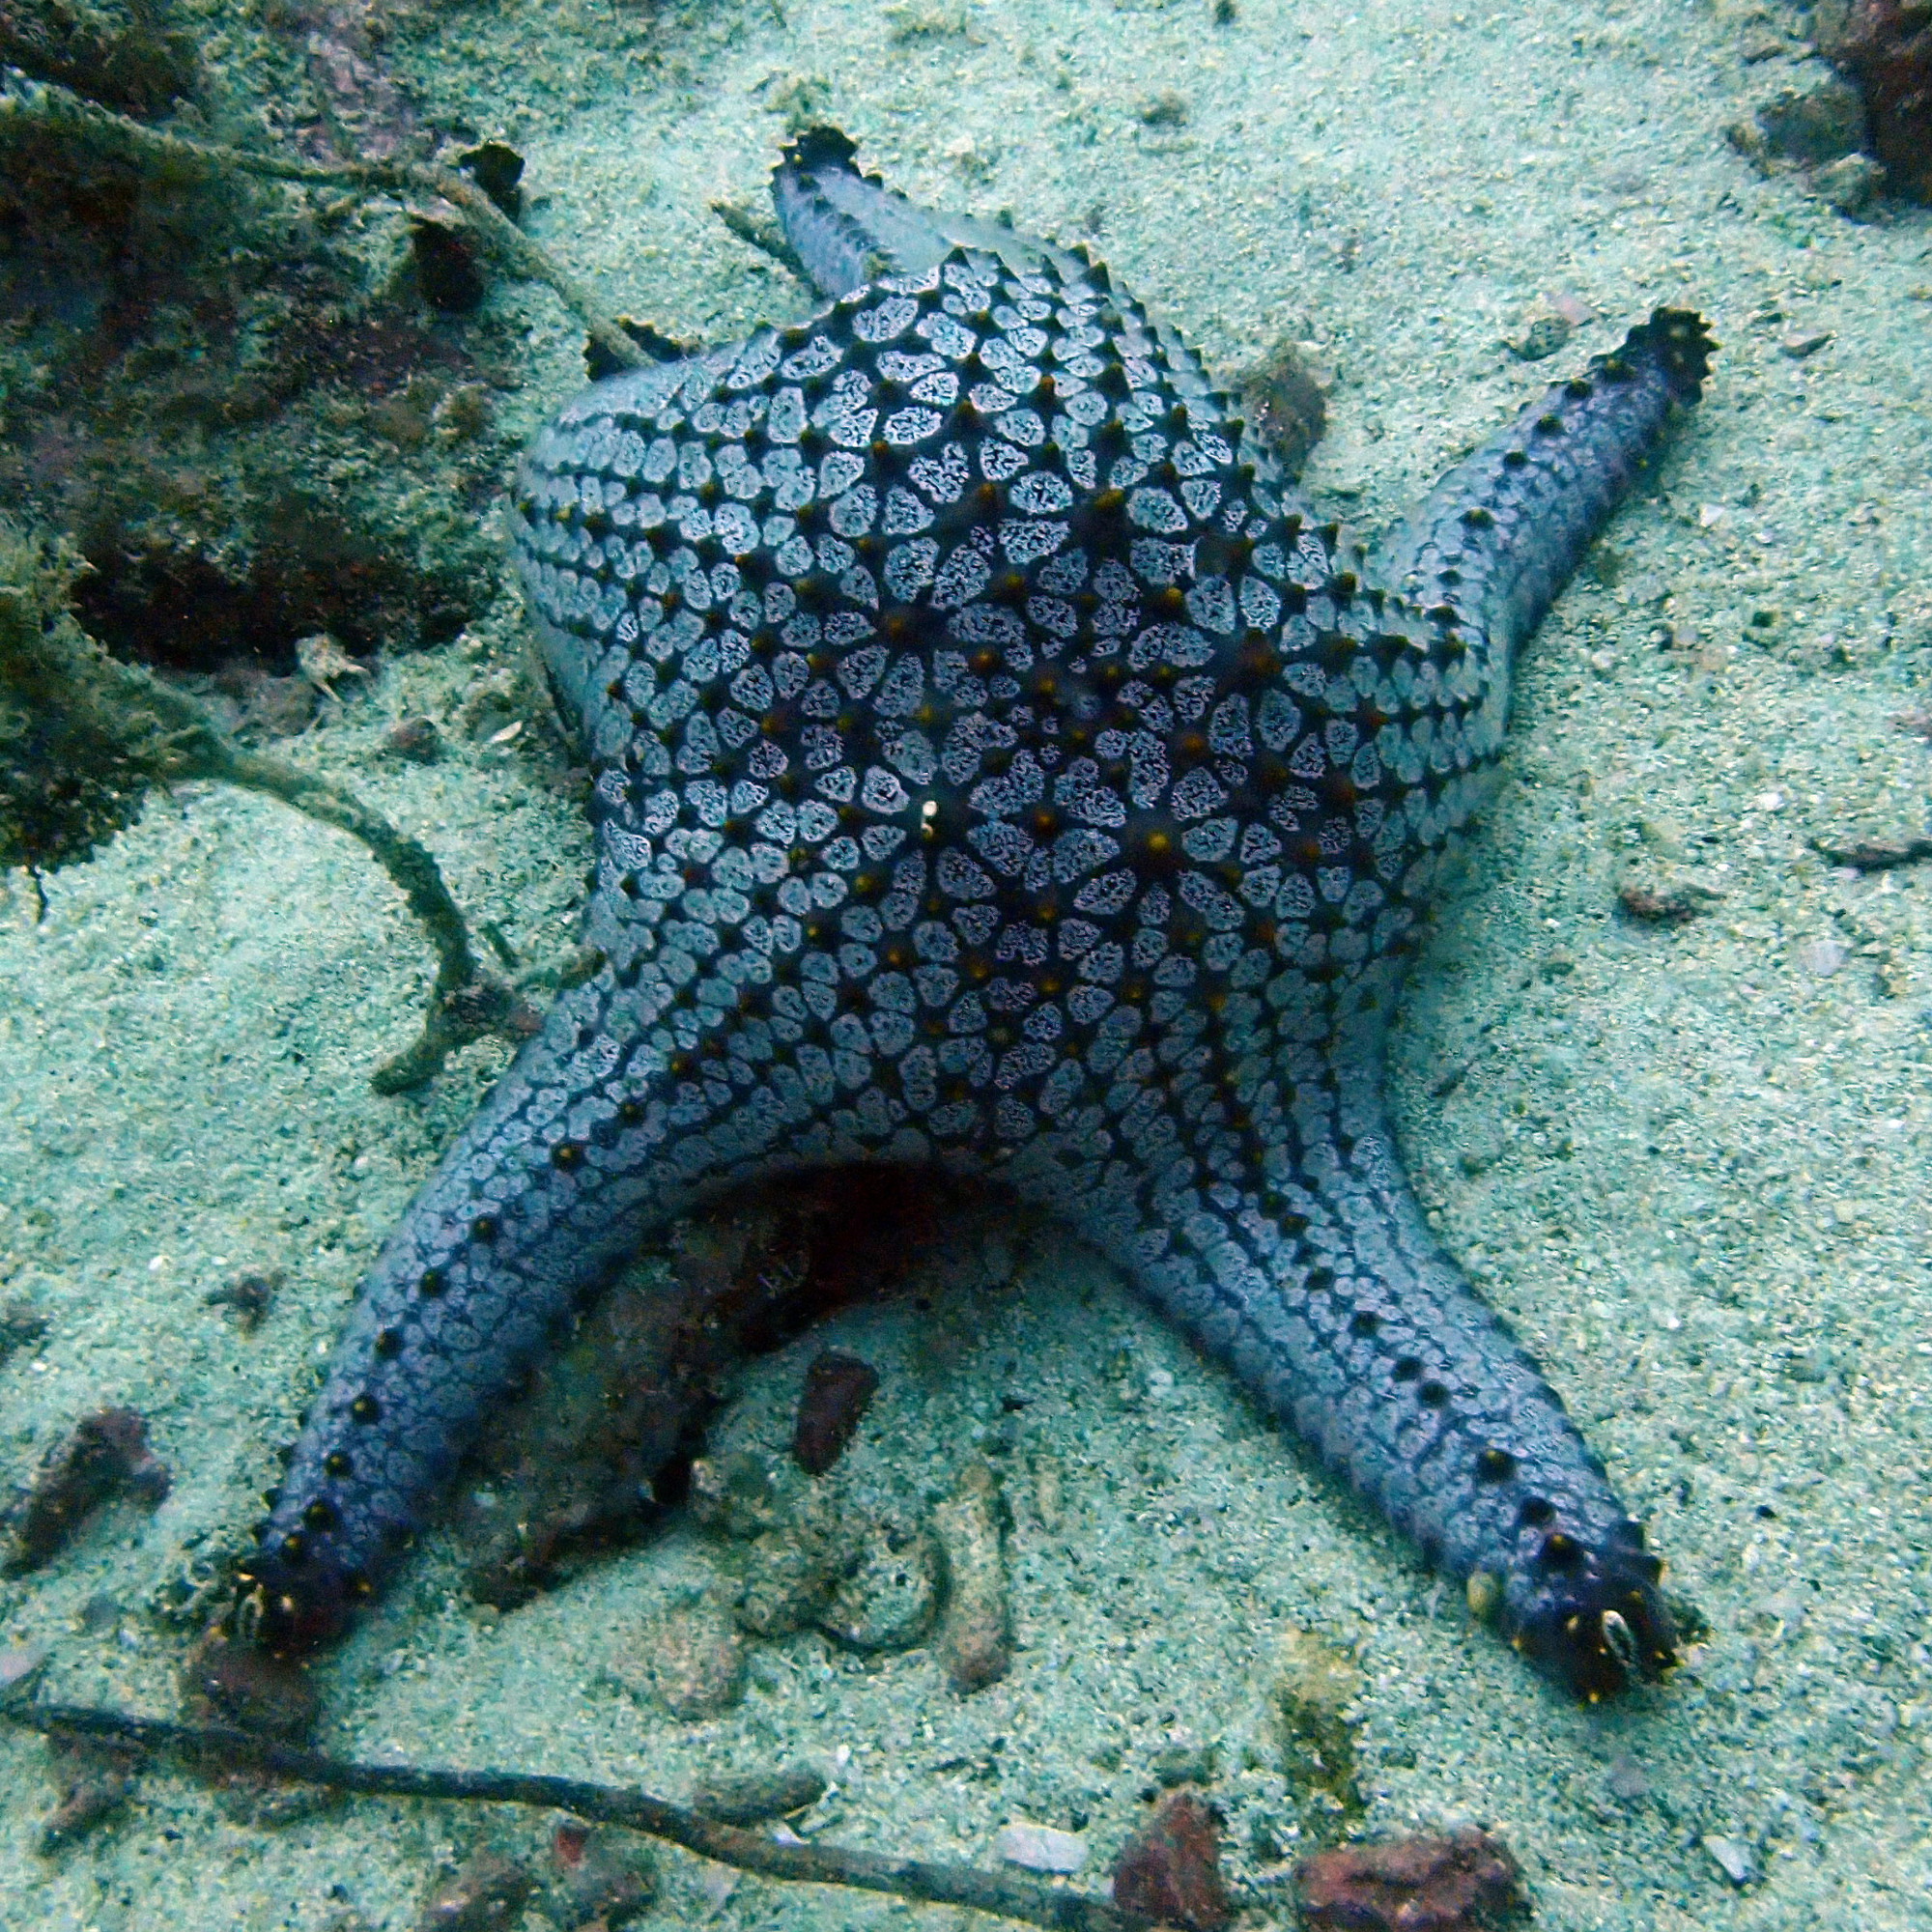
x=995, y=771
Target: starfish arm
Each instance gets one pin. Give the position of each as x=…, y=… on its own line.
x=580, y=1148
x=1500, y=534
x=1328, y=1297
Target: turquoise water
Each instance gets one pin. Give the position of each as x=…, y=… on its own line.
x=1689, y=1163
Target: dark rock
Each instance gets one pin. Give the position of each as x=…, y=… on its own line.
x=839, y=1388
x=498, y=169
x=1171, y=1870
x=1885, y=48
x=94, y=1783
x=489, y=1893
x=450, y=276
x=1465, y=1882
x=600, y=1882
x=106, y=1454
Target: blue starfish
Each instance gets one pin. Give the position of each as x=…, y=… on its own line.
x=998, y=768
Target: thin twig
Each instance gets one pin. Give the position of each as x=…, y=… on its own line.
x=1007, y=1895
x=163, y=735
x=512, y=250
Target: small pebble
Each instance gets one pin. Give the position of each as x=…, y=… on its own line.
x=839, y=1388
x=1040, y=1848
x=603, y=1880
x=415, y=739
x=974, y=1642
x=1628, y=1779
x=1730, y=1857
x=490, y=1891
x=1170, y=1868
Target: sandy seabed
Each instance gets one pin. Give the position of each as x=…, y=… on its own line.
x=1688, y=1162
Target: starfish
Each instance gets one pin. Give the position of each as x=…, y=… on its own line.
x=999, y=768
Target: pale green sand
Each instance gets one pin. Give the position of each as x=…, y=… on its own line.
x=1690, y=1163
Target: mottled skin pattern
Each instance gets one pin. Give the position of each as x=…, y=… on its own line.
x=996, y=767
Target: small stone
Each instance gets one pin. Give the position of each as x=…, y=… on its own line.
x=974, y=1642
x=415, y=739
x=489, y=1893
x=1799, y=347
x=1170, y=1868
x=498, y=169
x=1459, y=1883
x=449, y=276
x=1850, y=183
x=839, y=1388
x=1817, y=122
x=1541, y=337
x=1628, y=1779
x=1040, y=1848
x=1730, y=1857
x=1165, y=110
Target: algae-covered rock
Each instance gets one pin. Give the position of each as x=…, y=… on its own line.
x=76, y=747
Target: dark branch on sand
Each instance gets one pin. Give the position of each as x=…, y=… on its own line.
x=146, y=732
x=217, y=1748
x=494, y=233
